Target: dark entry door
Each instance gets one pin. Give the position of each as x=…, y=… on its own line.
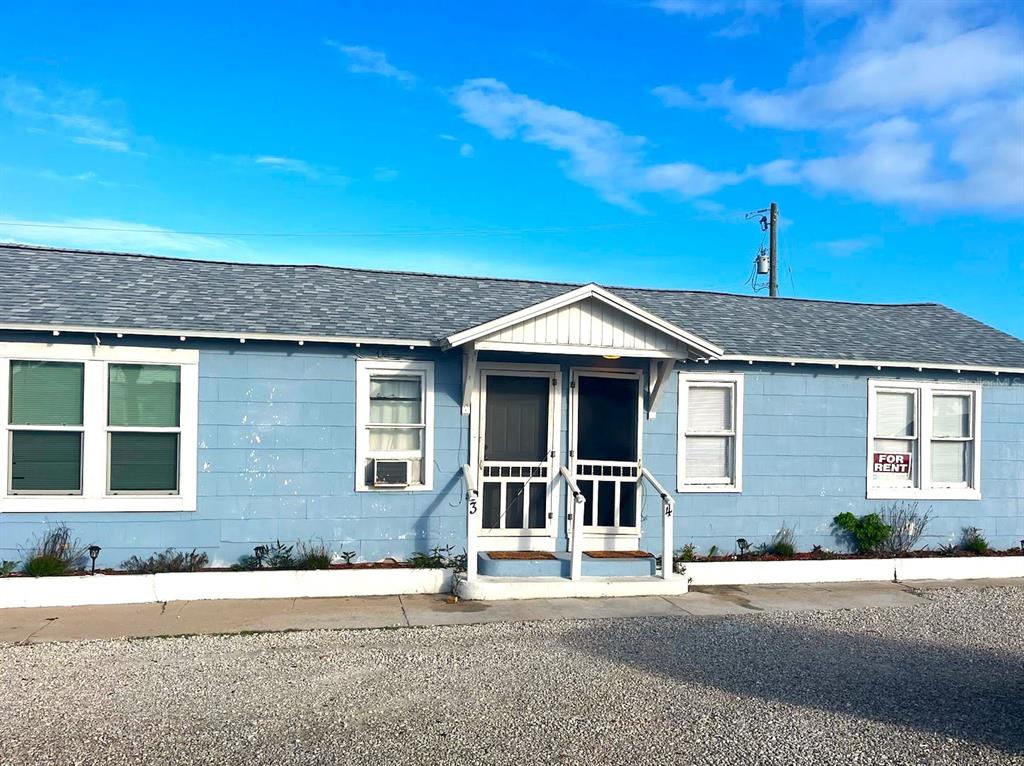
x=606, y=448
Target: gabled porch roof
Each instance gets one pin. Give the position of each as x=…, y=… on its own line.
x=588, y=320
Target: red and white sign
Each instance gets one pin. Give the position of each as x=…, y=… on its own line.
x=891, y=462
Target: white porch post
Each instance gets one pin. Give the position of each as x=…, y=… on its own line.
x=576, y=564
x=472, y=506
x=578, y=502
x=667, y=565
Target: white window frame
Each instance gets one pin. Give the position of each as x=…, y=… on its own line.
x=705, y=379
x=365, y=368
x=94, y=497
x=925, y=488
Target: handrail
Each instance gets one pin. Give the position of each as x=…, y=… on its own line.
x=668, y=504
x=576, y=522
x=666, y=498
x=577, y=494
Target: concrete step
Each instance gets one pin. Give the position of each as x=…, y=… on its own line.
x=560, y=566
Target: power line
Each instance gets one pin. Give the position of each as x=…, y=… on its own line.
x=352, y=234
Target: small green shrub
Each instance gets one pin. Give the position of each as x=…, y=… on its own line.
x=45, y=566
x=439, y=558
x=312, y=556
x=55, y=554
x=948, y=549
x=687, y=553
x=783, y=544
x=866, y=533
x=6, y=567
x=279, y=556
x=348, y=556
x=973, y=541
x=712, y=551
x=169, y=560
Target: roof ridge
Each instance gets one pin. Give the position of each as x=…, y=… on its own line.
x=554, y=283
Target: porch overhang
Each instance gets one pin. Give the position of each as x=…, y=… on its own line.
x=588, y=321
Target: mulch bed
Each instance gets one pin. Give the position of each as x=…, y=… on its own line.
x=823, y=556
x=521, y=555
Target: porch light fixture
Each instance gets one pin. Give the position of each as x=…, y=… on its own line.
x=94, y=552
x=613, y=357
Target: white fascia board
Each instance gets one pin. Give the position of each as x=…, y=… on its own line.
x=286, y=337
x=574, y=296
x=877, y=363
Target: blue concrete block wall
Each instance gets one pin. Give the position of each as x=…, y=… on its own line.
x=277, y=450
x=805, y=455
x=276, y=460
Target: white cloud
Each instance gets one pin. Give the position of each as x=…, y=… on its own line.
x=745, y=14
x=292, y=166
x=80, y=115
x=674, y=96
x=466, y=151
x=363, y=60
x=597, y=153
x=926, y=108
x=108, y=234
x=109, y=144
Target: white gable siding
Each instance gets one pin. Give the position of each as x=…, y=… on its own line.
x=588, y=323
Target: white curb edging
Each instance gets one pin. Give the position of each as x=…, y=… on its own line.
x=200, y=586
x=485, y=588
x=852, y=570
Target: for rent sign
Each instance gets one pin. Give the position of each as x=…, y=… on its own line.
x=891, y=462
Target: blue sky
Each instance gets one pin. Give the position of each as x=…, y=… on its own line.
x=615, y=141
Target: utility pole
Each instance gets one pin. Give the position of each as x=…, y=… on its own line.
x=773, y=250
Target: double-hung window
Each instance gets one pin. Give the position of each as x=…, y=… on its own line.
x=923, y=440
x=394, y=424
x=710, y=450
x=143, y=428
x=45, y=427
x=97, y=428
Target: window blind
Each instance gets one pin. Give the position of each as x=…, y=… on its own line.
x=46, y=461
x=46, y=393
x=144, y=395
x=143, y=462
x=709, y=409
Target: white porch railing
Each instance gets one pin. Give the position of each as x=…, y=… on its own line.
x=472, y=506
x=667, y=506
x=575, y=518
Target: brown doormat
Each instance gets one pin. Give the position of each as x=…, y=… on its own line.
x=619, y=554
x=521, y=555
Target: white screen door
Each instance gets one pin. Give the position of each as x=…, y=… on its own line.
x=517, y=450
x=605, y=444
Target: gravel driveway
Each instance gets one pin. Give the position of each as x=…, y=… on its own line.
x=939, y=683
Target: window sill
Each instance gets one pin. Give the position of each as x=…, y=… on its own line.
x=109, y=504
x=396, y=490
x=885, y=493
x=693, y=489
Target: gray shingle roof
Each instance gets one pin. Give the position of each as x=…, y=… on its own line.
x=98, y=290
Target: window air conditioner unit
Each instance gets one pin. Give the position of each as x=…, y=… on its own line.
x=391, y=473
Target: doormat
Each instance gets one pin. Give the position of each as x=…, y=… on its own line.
x=521, y=555
x=619, y=554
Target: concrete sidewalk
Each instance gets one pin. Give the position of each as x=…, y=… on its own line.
x=175, y=618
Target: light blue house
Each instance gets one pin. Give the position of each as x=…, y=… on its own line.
x=154, y=402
